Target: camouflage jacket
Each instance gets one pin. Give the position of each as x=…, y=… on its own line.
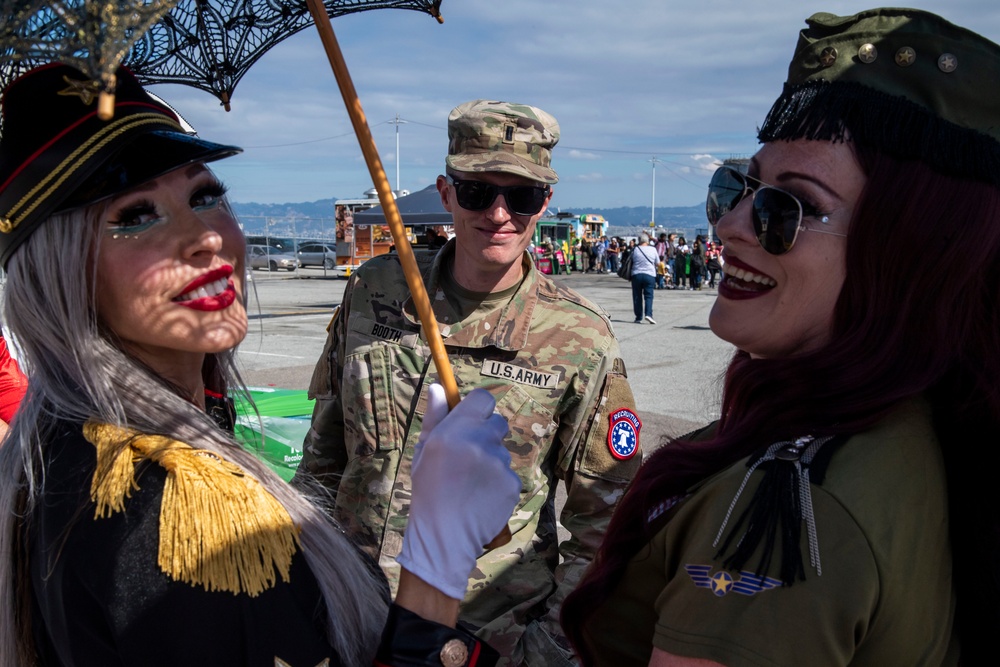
x=552, y=363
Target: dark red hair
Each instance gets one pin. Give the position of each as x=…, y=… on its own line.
x=919, y=313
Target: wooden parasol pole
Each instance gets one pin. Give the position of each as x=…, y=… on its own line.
x=409, y=263
x=414, y=281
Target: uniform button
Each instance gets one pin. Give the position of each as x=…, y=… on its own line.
x=867, y=53
x=905, y=56
x=789, y=453
x=947, y=63
x=828, y=56
x=454, y=653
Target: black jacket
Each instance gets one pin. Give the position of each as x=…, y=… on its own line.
x=98, y=596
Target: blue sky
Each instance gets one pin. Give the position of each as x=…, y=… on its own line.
x=628, y=80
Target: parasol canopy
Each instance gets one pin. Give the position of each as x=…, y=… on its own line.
x=91, y=35
x=208, y=44
x=211, y=45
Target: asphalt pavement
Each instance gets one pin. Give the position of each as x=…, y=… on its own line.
x=674, y=366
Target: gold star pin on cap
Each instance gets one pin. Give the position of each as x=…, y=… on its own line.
x=947, y=63
x=867, y=53
x=905, y=56
x=87, y=91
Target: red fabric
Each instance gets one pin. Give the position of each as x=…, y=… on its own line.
x=474, y=659
x=13, y=384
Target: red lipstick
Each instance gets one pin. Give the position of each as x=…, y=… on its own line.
x=223, y=271
x=224, y=295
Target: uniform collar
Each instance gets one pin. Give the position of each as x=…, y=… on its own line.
x=507, y=332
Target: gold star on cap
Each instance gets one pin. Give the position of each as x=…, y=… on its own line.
x=947, y=63
x=867, y=53
x=86, y=90
x=454, y=653
x=828, y=56
x=905, y=56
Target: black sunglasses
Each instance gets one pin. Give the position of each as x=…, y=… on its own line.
x=777, y=215
x=479, y=196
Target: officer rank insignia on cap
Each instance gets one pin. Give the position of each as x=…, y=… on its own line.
x=623, y=434
x=87, y=90
x=722, y=582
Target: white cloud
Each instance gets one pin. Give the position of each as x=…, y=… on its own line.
x=707, y=163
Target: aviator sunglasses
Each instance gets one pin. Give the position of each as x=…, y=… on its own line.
x=777, y=215
x=479, y=196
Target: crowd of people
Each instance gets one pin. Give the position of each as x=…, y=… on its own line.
x=678, y=264
x=669, y=263
x=839, y=512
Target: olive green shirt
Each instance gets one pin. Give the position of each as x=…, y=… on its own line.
x=884, y=597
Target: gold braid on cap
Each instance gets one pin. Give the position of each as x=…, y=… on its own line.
x=54, y=179
x=219, y=528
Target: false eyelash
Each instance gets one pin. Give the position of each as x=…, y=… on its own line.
x=215, y=189
x=127, y=216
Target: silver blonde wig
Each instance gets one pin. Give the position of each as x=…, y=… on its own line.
x=76, y=372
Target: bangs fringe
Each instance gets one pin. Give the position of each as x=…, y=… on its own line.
x=825, y=111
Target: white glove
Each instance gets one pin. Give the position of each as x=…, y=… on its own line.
x=463, y=490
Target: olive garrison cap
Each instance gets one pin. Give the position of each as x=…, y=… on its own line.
x=57, y=155
x=490, y=136
x=902, y=80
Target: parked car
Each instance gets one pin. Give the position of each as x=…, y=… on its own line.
x=266, y=257
x=317, y=254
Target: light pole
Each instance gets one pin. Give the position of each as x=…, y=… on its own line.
x=652, y=217
x=397, y=123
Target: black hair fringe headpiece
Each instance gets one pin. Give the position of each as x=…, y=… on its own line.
x=826, y=111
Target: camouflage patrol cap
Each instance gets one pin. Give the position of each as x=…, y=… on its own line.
x=905, y=81
x=491, y=136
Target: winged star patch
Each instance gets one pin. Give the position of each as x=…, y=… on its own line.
x=722, y=582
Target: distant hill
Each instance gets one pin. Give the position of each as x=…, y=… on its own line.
x=300, y=219
x=316, y=218
x=322, y=208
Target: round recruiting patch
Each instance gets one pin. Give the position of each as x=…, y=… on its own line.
x=623, y=434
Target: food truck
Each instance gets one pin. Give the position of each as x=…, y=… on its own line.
x=363, y=233
x=565, y=230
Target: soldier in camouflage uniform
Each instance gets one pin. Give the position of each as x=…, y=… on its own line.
x=546, y=354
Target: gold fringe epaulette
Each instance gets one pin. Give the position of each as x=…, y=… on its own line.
x=219, y=528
